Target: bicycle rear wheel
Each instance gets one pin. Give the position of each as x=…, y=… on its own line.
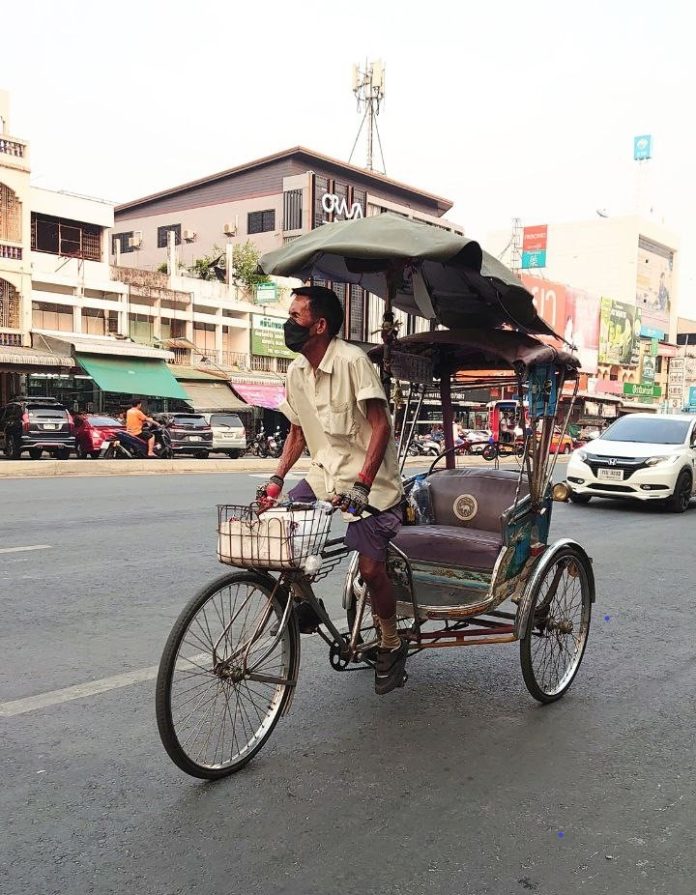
x=215, y=709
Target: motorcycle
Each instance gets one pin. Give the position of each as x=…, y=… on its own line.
x=124, y=446
x=276, y=442
x=258, y=446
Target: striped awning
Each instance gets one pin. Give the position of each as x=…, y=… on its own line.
x=16, y=356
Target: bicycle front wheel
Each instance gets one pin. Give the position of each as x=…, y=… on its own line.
x=223, y=684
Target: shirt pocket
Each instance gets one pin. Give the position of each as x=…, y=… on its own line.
x=338, y=420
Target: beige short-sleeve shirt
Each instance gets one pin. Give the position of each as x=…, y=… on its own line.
x=330, y=407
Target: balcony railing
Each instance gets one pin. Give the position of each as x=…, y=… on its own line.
x=12, y=253
x=12, y=147
x=245, y=363
x=12, y=339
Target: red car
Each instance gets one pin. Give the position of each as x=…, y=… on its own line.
x=91, y=430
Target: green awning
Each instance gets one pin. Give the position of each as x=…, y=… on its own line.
x=132, y=376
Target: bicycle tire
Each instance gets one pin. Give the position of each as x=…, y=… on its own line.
x=279, y=699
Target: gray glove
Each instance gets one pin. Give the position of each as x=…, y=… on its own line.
x=355, y=500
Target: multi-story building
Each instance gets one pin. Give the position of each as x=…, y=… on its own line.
x=269, y=202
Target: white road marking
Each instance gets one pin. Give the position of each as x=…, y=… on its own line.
x=93, y=688
x=21, y=549
x=291, y=475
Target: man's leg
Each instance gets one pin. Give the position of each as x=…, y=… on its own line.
x=374, y=574
x=151, y=446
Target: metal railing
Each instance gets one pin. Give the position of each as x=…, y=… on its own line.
x=235, y=359
x=13, y=253
x=12, y=147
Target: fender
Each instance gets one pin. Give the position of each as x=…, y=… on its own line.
x=524, y=607
x=348, y=597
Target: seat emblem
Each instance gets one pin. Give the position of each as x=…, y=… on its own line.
x=465, y=507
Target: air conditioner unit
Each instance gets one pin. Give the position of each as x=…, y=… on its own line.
x=136, y=240
x=230, y=229
x=188, y=235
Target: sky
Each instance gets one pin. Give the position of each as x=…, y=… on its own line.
x=508, y=109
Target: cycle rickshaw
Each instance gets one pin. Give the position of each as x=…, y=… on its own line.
x=481, y=571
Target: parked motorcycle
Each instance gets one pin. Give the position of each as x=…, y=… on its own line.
x=129, y=447
x=258, y=446
x=276, y=442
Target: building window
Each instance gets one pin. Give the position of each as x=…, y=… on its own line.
x=123, y=241
x=356, y=314
x=141, y=328
x=292, y=210
x=72, y=239
x=658, y=364
x=204, y=337
x=57, y=318
x=9, y=306
x=162, y=235
x=10, y=215
x=261, y=221
x=94, y=322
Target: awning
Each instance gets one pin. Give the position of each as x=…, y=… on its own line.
x=132, y=376
x=30, y=357
x=268, y=396
x=211, y=396
x=100, y=345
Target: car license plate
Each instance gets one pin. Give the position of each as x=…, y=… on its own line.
x=612, y=475
x=195, y=438
x=50, y=425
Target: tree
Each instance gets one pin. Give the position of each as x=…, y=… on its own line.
x=245, y=260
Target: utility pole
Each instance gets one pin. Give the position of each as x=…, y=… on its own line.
x=368, y=87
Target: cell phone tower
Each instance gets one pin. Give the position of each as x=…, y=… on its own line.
x=368, y=87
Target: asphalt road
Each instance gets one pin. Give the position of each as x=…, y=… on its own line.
x=459, y=783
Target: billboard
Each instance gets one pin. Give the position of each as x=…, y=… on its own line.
x=268, y=338
x=582, y=327
x=654, y=283
x=549, y=300
x=642, y=148
x=534, y=246
x=619, y=333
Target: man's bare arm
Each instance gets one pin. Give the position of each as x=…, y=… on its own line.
x=292, y=450
x=377, y=417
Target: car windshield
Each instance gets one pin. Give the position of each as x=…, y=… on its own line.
x=103, y=421
x=190, y=421
x=647, y=431
x=225, y=419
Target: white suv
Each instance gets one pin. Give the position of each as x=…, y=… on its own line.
x=641, y=456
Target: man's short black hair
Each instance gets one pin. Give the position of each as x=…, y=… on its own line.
x=136, y=401
x=324, y=303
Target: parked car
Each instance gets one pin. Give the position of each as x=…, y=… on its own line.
x=561, y=444
x=643, y=456
x=91, y=431
x=190, y=433
x=229, y=434
x=36, y=425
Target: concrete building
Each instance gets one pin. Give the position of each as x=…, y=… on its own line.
x=269, y=202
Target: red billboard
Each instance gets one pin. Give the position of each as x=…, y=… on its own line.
x=534, y=238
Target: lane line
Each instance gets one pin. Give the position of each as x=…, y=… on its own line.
x=94, y=688
x=21, y=549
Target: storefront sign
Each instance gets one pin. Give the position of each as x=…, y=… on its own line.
x=337, y=205
x=266, y=294
x=267, y=338
x=654, y=348
x=640, y=390
x=649, y=332
x=692, y=398
x=619, y=333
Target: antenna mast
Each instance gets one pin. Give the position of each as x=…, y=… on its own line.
x=368, y=87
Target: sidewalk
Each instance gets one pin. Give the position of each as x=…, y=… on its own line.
x=19, y=469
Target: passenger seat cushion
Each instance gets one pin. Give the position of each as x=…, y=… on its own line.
x=473, y=498
x=450, y=546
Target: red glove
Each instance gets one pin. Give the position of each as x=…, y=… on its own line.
x=268, y=494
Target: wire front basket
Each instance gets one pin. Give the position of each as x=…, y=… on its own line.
x=282, y=538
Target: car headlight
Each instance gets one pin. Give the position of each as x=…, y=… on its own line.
x=582, y=455
x=667, y=458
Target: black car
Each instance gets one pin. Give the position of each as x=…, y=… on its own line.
x=36, y=425
x=190, y=433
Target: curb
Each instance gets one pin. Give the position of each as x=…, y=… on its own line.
x=46, y=469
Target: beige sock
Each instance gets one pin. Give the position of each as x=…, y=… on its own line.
x=390, y=639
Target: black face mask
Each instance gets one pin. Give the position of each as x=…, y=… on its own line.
x=296, y=336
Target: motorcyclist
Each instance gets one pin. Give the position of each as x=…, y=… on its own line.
x=135, y=418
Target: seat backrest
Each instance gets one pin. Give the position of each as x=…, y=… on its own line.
x=473, y=497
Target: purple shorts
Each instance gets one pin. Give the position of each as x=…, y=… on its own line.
x=369, y=536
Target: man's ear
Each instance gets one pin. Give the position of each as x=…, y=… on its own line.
x=322, y=326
